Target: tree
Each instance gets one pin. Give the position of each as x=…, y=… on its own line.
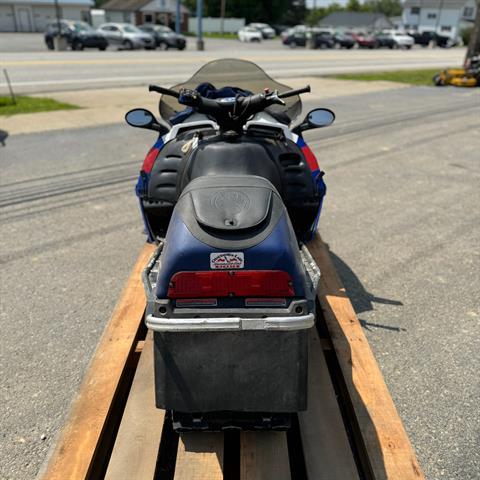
x=252, y=10
x=390, y=8
x=354, y=6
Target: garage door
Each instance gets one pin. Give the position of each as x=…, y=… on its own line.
x=42, y=16
x=7, y=22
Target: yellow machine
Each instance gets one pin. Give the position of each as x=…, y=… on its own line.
x=460, y=77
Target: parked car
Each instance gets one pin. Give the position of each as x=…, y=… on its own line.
x=295, y=37
x=343, y=40
x=364, y=40
x=279, y=28
x=425, y=38
x=79, y=35
x=266, y=30
x=249, y=34
x=165, y=37
x=393, y=39
x=320, y=38
x=127, y=36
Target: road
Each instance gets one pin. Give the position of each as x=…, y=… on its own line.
x=45, y=71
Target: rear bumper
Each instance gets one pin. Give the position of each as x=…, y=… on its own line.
x=229, y=324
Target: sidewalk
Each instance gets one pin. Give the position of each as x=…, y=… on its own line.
x=108, y=106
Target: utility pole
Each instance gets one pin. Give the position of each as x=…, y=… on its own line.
x=222, y=15
x=474, y=43
x=177, y=17
x=57, y=13
x=440, y=8
x=59, y=42
x=200, y=44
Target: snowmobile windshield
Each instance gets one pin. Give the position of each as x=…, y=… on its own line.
x=229, y=72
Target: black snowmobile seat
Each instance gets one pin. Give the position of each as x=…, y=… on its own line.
x=231, y=208
x=239, y=210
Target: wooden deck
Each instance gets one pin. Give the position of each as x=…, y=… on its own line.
x=350, y=431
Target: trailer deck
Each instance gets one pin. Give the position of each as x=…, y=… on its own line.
x=351, y=429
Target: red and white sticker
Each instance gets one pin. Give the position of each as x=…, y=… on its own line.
x=227, y=260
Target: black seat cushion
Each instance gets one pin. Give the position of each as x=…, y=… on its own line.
x=230, y=207
x=241, y=210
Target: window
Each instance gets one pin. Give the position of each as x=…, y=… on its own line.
x=148, y=18
x=446, y=28
x=415, y=10
x=432, y=15
x=468, y=12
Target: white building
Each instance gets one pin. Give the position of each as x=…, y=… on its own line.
x=446, y=17
x=34, y=15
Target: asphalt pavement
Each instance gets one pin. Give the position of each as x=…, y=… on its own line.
x=44, y=71
x=401, y=218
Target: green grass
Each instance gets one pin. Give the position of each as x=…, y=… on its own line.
x=413, y=77
x=31, y=105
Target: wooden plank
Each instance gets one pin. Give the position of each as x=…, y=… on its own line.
x=264, y=456
x=389, y=450
x=325, y=443
x=199, y=456
x=75, y=451
x=136, y=447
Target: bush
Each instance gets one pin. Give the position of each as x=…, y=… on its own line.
x=466, y=33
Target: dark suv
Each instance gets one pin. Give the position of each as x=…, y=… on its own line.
x=425, y=38
x=165, y=37
x=321, y=39
x=79, y=35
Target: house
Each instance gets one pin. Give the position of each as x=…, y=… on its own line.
x=34, y=15
x=145, y=11
x=446, y=17
x=356, y=21
x=397, y=22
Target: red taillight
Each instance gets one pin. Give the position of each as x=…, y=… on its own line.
x=245, y=283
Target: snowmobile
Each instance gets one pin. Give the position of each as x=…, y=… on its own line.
x=231, y=193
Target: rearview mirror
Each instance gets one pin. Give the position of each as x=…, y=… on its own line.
x=139, y=117
x=320, y=117
x=142, y=118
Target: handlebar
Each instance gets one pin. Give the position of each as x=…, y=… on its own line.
x=229, y=114
x=163, y=91
x=292, y=93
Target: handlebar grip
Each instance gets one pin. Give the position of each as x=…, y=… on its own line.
x=291, y=93
x=164, y=91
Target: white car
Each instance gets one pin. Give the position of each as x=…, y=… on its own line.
x=266, y=30
x=249, y=34
x=403, y=40
x=400, y=39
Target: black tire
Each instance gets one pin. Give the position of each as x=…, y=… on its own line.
x=437, y=80
x=127, y=45
x=77, y=45
x=49, y=43
x=181, y=48
x=102, y=48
